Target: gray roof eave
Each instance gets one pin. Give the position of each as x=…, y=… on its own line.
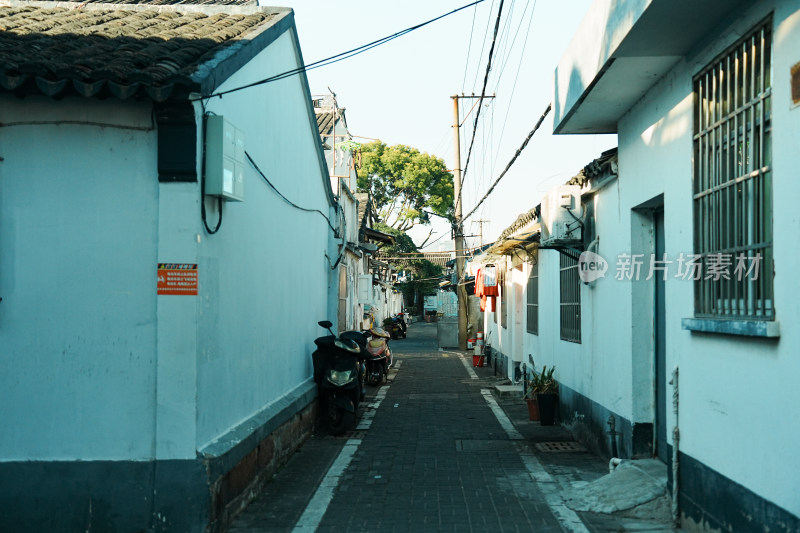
x=621, y=50
x=213, y=73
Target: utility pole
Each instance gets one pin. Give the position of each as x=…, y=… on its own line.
x=458, y=227
x=481, y=222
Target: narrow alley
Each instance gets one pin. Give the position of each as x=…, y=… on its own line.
x=435, y=450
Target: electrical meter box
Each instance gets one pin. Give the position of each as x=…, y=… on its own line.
x=225, y=161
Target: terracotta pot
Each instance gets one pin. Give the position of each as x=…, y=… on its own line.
x=533, y=409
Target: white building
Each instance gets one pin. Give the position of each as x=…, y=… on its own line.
x=365, y=285
x=704, y=99
x=352, y=259
x=156, y=340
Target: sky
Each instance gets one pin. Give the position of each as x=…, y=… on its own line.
x=400, y=92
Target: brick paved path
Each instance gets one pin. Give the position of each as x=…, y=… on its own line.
x=434, y=459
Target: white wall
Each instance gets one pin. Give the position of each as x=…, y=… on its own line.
x=97, y=366
x=738, y=405
x=351, y=262
x=78, y=224
x=722, y=425
x=257, y=325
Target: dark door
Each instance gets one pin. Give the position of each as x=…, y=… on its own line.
x=661, y=344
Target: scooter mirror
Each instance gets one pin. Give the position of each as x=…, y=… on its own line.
x=325, y=324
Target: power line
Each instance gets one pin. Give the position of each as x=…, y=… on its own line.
x=285, y=199
x=514, y=40
x=505, y=33
x=483, y=91
x=437, y=239
x=341, y=56
x=513, y=159
x=469, y=48
x=483, y=46
x=519, y=68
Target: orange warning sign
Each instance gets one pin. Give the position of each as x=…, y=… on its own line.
x=177, y=278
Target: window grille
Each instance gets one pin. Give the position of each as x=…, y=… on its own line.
x=533, y=298
x=570, y=299
x=733, y=182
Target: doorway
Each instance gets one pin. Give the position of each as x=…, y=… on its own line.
x=519, y=321
x=649, y=341
x=660, y=326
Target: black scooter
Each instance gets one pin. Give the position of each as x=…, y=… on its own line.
x=339, y=373
x=397, y=326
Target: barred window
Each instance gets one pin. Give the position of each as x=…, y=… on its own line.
x=570, y=299
x=733, y=182
x=533, y=298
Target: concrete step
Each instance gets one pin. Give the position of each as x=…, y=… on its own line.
x=508, y=391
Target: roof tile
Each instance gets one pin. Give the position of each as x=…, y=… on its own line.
x=63, y=48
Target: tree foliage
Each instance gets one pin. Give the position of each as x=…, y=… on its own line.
x=403, y=182
x=404, y=255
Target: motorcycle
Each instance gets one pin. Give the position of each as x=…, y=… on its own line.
x=396, y=326
x=401, y=319
x=339, y=373
x=380, y=356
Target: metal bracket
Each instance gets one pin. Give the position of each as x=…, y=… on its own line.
x=564, y=250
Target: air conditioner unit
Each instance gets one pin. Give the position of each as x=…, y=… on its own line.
x=561, y=214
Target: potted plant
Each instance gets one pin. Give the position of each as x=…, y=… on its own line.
x=532, y=387
x=546, y=388
x=530, y=399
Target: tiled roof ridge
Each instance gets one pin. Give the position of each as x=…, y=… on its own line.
x=521, y=221
x=121, y=50
x=243, y=7
x=591, y=170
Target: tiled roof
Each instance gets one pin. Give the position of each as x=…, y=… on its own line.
x=437, y=258
x=177, y=2
x=101, y=49
x=324, y=122
x=363, y=203
x=522, y=220
x=593, y=169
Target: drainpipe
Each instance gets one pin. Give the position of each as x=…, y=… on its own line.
x=612, y=432
x=676, y=438
x=524, y=380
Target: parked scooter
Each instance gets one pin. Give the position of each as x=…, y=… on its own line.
x=339, y=373
x=396, y=327
x=401, y=319
x=380, y=359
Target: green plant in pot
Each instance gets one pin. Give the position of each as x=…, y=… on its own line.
x=530, y=399
x=545, y=388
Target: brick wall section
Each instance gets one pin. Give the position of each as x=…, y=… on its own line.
x=238, y=487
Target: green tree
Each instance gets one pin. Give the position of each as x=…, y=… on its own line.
x=404, y=182
x=404, y=255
